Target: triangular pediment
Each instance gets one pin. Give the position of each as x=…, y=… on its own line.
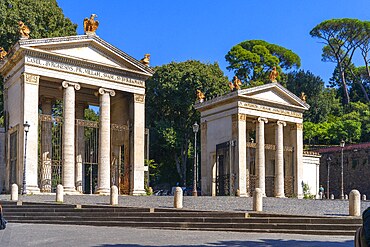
x=273, y=93
x=90, y=49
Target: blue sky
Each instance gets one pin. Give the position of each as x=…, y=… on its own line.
x=205, y=30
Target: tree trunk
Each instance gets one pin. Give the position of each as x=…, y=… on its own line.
x=345, y=88
x=179, y=170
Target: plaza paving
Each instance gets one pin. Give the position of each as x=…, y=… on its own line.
x=271, y=205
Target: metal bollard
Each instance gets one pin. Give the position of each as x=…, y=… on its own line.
x=354, y=203
x=114, y=195
x=331, y=197
x=60, y=193
x=364, y=197
x=257, y=200
x=178, y=197
x=14, y=194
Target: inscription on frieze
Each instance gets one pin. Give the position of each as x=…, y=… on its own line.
x=82, y=71
x=270, y=109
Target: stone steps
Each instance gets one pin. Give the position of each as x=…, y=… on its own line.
x=178, y=219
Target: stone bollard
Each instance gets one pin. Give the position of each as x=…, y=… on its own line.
x=257, y=200
x=331, y=197
x=177, y=199
x=345, y=197
x=60, y=193
x=14, y=195
x=237, y=193
x=354, y=203
x=364, y=197
x=113, y=195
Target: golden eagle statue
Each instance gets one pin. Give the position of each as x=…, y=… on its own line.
x=90, y=24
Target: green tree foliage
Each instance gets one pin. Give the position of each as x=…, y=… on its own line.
x=341, y=38
x=322, y=101
x=171, y=94
x=252, y=60
x=44, y=18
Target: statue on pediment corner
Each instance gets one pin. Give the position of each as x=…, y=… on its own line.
x=146, y=59
x=200, y=96
x=303, y=97
x=90, y=25
x=3, y=53
x=24, y=30
x=237, y=83
x=273, y=74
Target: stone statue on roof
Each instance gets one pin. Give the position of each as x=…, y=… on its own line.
x=2, y=53
x=90, y=24
x=146, y=59
x=237, y=83
x=273, y=74
x=200, y=96
x=24, y=30
x=303, y=97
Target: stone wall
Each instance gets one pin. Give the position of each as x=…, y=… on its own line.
x=356, y=170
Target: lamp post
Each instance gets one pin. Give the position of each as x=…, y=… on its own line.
x=195, y=130
x=328, y=179
x=26, y=127
x=342, y=143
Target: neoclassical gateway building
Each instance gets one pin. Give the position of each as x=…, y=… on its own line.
x=48, y=84
x=253, y=138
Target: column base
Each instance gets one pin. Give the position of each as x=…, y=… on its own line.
x=32, y=189
x=244, y=195
x=280, y=196
x=103, y=191
x=138, y=193
x=70, y=191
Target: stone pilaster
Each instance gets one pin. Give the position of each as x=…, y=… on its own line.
x=68, y=147
x=137, y=137
x=104, y=141
x=46, y=147
x=279, y=159
x=260, y=153
x=206, y=168
x=80, y=146
x=239, y=132
x=30, y=114
x=297, y=141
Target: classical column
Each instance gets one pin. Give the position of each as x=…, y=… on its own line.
x=297, y=142
x=279, y=159
x=80, y=146
x=68, y=147
x=46, y=146
x=260, y=153
x=104, y=142
x=137, y=145
x=30, y=96
x=239, y=132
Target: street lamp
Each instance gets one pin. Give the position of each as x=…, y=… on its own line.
x=342, y=143
x=26, y=127
x=328, y=180
x=195, y=130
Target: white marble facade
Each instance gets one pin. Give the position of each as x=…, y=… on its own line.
x=252, y=138
x=80, y=71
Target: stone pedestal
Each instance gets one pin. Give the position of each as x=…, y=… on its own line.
x=354, y=203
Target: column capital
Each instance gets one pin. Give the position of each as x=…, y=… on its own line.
x=106, y=90
x=239, y=117
x=261, y=119
x=297, y=126
x=31, y=78
x=139, y=98
x=281, y=123
x=67, y=84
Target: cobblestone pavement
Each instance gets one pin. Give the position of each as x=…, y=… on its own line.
x=28, y=235
x=271, y=205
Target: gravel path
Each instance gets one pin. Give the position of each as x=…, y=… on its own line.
x=272, y=205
